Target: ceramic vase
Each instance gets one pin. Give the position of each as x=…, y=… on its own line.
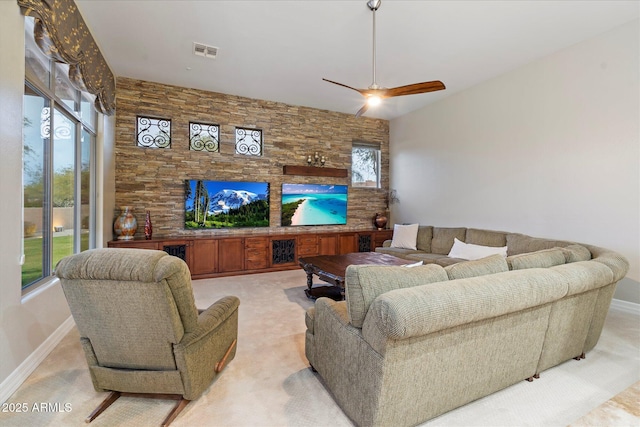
x=148, y=228
x=125, y=225
x=380, y=221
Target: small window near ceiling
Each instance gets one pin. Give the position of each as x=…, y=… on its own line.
x=153, y=132
x=365, y=165
x=249, y=141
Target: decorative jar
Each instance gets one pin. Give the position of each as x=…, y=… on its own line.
x=125, y=225
x=380, y=221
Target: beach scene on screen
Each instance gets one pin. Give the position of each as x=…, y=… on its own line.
x=314, y=204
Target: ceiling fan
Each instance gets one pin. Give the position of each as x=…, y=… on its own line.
x=375, y=93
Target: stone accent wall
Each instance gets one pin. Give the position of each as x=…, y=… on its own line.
x=153, y=178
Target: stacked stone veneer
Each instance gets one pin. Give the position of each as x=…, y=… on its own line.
x=153, y=178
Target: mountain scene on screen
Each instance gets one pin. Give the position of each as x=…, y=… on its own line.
x=226, y=204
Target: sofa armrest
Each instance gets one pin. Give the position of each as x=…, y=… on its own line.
x=386, y=244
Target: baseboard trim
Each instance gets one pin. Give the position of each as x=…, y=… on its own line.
x=22, y=372
x=626, y=306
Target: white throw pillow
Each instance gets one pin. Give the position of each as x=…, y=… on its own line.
x=470, y=251
x=405, y=236
x=415, y=264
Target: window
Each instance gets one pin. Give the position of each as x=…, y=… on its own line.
x=249, y=141
x=58, y=165
x=365, y=165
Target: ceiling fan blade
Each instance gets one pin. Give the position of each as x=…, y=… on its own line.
x=348, y=87
x=415, y=88
x=361, y=111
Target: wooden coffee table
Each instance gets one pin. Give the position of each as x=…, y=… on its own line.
x=332, y=268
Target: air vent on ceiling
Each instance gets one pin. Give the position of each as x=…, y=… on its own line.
x=203, y=50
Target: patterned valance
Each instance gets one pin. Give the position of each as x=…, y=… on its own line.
x=62, y=35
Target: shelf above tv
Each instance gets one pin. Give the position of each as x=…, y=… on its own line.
x=314, y=171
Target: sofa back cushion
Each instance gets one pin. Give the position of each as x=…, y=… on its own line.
x=425, y=234
x=442, y=240
x=575, y=253
x=481, y=267
x=486, y=237
x=540, y=259
x=422, y=310
x=363, y=284
x=520, y=243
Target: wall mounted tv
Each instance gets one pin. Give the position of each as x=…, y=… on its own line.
x=225, y=204
x=314, y=204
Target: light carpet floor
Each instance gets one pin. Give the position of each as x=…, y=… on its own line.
x=269, y=383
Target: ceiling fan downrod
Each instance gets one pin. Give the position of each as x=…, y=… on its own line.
x=374, y=5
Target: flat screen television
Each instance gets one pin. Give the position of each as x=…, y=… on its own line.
x=225, y=204
x=314, y=204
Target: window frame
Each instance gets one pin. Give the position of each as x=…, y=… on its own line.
x=378, y=164
x=82, y=126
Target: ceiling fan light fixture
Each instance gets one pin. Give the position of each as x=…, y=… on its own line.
x=374, y=100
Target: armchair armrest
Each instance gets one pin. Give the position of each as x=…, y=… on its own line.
x=201, y=349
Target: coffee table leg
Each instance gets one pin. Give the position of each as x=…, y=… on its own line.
x=309, y=279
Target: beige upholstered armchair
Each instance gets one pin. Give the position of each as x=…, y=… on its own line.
x=139, y=326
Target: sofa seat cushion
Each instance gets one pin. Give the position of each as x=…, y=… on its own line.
x=364, y=283
x=424, y=257
x=446, y=261
x=399, y=252
x=540, y=259
x=481, y=267
x=442, y=240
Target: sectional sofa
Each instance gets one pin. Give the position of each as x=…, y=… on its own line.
x=409, y=344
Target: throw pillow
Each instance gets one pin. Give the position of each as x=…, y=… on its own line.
x=415, y=264
x=470, y=251
x=405, y=236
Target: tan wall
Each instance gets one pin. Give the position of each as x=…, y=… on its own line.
x=153, y=179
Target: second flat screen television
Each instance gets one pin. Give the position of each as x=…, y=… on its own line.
x=314, y=204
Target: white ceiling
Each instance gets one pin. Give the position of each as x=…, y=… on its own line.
x=281, y=50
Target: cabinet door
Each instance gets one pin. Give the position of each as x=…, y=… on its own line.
x=256, y=253
x=328, y=244
x=231, y=255
x=204, y=257
x=381, y=236
x=347, y=243
x=366, y=242
x=307, y=245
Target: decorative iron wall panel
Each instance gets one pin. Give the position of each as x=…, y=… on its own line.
x=284, y=251
x=364, y=243
x=152, y=132
x=249, y=141
x=176, y=250
x=204, y=137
